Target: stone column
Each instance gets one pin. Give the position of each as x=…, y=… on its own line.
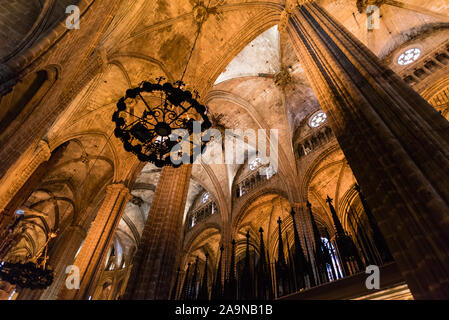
x=226, y=241
x=91, y=258
x=303, y=224
x=396, y=144
x=18, y=175
x=62, y=255
x=154, y=263
x=307, y=238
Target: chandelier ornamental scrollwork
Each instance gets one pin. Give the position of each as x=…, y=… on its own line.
x=154, y=119
x=27, y=275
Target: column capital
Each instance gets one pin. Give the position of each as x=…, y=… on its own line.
x=117, y=187
x=44, y=148
x=16, y=177
x=283, y=21
x=78, y=229
x=298, y=204
x=290, y=5
x=289, y=8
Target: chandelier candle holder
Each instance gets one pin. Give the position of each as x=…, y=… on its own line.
x=155, y=121
x=27, y=275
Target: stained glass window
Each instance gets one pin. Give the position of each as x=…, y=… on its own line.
x=409, y=56
x=254, y=164
x=205, y=197
x=318, y=119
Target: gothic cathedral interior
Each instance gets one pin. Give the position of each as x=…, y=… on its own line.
x=224, y=150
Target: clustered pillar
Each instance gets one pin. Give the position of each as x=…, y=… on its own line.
x=154, y=263
x=91, y=258
x=396, y=144
x=61, y=256
x=19, y=176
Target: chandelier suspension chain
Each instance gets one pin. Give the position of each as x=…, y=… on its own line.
x=194, y=43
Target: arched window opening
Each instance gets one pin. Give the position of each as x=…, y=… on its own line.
x=201, y=213
x=317, y=119
x=334, y=269
x=255, y=179
x=205, y=197
x=24, y=97
x=409, y=56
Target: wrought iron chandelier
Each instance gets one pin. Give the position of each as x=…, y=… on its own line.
x=156, y=120
x=34, y=274
x=149, y=117
x=27, y=275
